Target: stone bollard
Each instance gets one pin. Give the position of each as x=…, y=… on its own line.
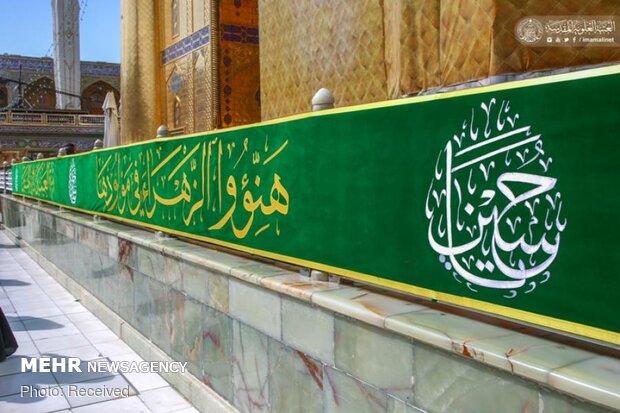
x=323, y=99
x=163, y=235
x=319, y=275
x=98, y=144
x=334, y=279
x=162, y=131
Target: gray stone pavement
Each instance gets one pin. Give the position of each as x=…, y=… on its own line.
x=48, y=321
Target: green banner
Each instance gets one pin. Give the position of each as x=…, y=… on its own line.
x=499, y=198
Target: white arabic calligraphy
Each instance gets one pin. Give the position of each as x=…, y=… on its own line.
x=504, y=230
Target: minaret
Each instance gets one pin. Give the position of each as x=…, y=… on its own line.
x=67, y=52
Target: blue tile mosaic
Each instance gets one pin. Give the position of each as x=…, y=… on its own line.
x=185, y=46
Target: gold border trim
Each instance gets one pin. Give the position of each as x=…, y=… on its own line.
x=489, y=308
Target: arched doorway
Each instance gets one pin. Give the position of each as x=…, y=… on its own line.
x=40, y=93
x=94, y=95
x=4, y=97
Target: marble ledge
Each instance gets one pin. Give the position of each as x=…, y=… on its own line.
x=563, y=367
x=583, y=374
x=358, y=303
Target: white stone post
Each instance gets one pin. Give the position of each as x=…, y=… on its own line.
x=67, y=52
x=323, y=99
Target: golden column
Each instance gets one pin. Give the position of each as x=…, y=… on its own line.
x=140, y=70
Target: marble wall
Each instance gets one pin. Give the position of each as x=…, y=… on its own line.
x=260, y=348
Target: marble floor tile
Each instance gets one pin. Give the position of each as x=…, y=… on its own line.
x=87, y=352
x=27, y=348
x=88, y=326
x=146, y=381
x=35, y=323
x=17, y=403
x=52, y=344
x=73, y=307
x=100, y=336
x=131, y=404
x=12, y=365
x=11, y=383
x=164, y=400
x=82, y=316
x=188, y=410
x=43, y=312
x=69, y=377
x=113, y=348
x=67, y=330
x=115, y=386
x=35, y=304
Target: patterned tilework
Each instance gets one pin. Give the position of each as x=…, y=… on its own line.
x=239, y=67
x=46, y=144
x=46, y=65
x=239, y=34
x=98, y=69
x=186, y=45
x=14, y=63
x=231, y=33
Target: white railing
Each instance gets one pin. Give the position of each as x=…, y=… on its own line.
x=6, y=184
x=91, y=120
x=55, y=119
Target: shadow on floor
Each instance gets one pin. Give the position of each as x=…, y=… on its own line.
x=13, y=283
x=34, y=323
x=43, y=382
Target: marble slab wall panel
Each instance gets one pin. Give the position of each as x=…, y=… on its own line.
x=217, y=346
x=297, y=381
x=392, y=368
x=308, y=329
x=250, y=360
x=259, y=348
x=344, y=393
x=448, y=383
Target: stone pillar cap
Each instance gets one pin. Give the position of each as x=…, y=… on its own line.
x=162, y=131
x=323, y=97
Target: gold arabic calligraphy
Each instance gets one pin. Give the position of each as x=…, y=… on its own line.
x=188, y=184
